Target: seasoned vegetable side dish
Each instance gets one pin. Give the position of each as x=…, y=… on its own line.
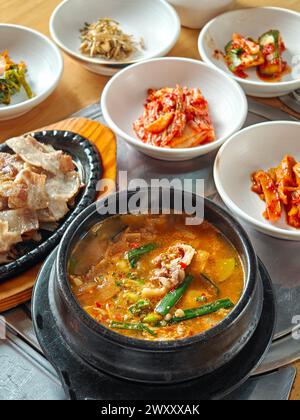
x=175, y=118
x=265, y=55
x=154, y=278
x=272, y=48
x=38, y=185
x=105, y=39
x=12, y=79
x=242, y=54
x=280, y=189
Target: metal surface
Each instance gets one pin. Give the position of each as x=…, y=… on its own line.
x=268, y=112
x=282, y=353
x=275, y=386
x=292, y=100
x=21, y=350
x=19, y=321
x=25, y=374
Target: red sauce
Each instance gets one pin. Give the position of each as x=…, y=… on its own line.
x=274, y=77
x=268, y=50
x=218, y=54
x=241, y=74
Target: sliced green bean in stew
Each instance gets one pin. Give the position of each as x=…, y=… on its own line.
x=173, y=297
x=132, y=327
x=135, y=254
x=203, y=311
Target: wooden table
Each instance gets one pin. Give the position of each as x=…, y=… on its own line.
x=79, y=88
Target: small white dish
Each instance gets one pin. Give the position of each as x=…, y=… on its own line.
x=154, y=21
x=196, y=13
x=262, y=146
x=255, y=22
x=44, y=62
x=124, y=96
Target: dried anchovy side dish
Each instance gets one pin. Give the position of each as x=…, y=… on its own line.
x=265, y=55
x=38, y=185
x=280, y=189
x=175, y=118
x=106, y=39
x=155, y=278
x=12, y=79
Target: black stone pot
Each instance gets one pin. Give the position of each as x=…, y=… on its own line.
x=166, y=362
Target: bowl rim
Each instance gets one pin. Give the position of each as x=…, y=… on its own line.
x=60, y=69
x=261, y=226
x=207, y=59
x=99, y=61
x=206, y=148
x=147, y=345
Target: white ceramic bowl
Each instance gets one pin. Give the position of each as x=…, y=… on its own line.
x=124, y=96
x=155, y=21
x=254, y=22
x=196, y=13
x=261, y=146
x=45, y=66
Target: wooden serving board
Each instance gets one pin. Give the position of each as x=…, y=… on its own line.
x=18, y=290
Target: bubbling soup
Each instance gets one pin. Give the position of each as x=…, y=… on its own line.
x=154, y=278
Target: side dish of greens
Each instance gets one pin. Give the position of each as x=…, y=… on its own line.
x=12, y=79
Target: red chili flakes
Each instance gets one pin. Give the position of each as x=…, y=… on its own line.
x=134, y=246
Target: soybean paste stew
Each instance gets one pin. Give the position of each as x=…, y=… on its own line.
x=154, y=278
